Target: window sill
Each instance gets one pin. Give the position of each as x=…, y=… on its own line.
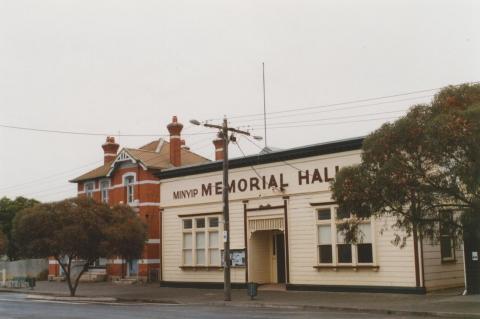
x=194, y=268
x=207, y=267
x=449, y=261
x=352, y=267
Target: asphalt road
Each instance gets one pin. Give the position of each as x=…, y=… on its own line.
x=17, y=306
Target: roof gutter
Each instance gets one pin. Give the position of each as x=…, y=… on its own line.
x=278, y=156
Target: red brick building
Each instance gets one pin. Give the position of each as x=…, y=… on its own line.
x=126, y=177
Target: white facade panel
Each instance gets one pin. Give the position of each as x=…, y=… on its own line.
x=200, y=195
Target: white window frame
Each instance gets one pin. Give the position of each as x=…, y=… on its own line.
x=104, y=191
x=89, y=193
x=130, y=187
x=207, y=246
x=450, y=238
x=333, y=222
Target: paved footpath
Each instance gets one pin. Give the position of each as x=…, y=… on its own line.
x=450, y=303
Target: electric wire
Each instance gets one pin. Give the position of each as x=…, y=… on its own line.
x=296, y=109
x=244, y=155
x=60, y=187
x=299, y=114
x=91, y=133
x=49, y=177
x=337, y=117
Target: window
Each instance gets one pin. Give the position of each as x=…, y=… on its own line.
x=201, y=245
x=129, y=182
x=332, y=247
x=104, y=186
x=447, y=243
x=89, y=189
x=325, y=243
x=344, y=250
x=364, y=247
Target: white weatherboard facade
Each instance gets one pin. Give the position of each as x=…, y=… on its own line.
x=283, y=230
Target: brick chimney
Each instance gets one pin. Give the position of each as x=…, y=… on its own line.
x=218, y=142
x=175, y=129
x=110, y=149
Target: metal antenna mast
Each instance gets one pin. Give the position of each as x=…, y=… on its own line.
x=264, y=105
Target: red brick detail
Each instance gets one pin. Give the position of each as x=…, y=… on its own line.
x=175, y=129
x=218, y=142
x=54, y=270
x=110, y=149
x=116, y=270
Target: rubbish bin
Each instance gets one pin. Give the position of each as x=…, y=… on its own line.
x=252, y=289
x=153, y=275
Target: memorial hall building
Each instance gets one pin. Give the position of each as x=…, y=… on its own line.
x=283, y=228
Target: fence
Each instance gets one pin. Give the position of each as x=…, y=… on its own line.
x=23, y=268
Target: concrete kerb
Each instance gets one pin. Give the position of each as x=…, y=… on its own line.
x=53, y=297
x=349, y=309
x=68, y=298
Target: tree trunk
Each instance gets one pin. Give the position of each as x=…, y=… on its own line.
x=77, y=280
x=67, y=270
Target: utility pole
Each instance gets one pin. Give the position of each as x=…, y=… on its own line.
x=227, y=287
x=224, y=135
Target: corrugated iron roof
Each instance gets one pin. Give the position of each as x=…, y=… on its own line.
x=154, y=155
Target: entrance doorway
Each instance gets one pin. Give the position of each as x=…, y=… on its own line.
x=132, y=269
x=266, y=257
x=279, y=241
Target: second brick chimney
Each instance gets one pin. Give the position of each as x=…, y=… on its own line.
x=218, y=142
x=175, y=129
x=110, y=149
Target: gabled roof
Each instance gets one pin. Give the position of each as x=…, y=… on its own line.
x=154, y=155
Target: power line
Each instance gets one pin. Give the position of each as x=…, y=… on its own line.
x=296, y=109
x=335, y=118
x=287, y=163
x=90, y=133
x=49, y=177
x=244, y=155
x=337, y=123
x=335, y=109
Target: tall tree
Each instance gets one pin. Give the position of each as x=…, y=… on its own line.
x=127, y=234
x=3, y=243
x=76, y=232
x=8, y=209
x=419, y=168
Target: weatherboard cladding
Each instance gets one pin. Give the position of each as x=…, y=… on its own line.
x=290, y=154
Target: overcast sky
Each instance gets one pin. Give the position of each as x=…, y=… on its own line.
x=128, y=66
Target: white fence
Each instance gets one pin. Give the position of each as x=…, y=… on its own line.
x=23, y=268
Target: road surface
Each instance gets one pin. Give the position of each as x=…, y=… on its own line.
x=18, y=306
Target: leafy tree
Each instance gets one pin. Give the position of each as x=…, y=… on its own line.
x=8, y=209
x=127, y=234
x=76, y=232
x=423, y=164
x=3, y=243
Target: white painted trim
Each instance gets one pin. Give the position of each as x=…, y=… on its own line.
x=174, y=136
x=109, y=154
x=145, y=204
x=153, y=241
x=149, y=261
x=127, y=175
x=53, y=262
x=161, y=141
x=219, y=149
x=146, y=182
x=123, y=156
x=118, y=261
x=149, y=182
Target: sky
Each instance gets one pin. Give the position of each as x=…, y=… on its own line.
x=126, y=67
